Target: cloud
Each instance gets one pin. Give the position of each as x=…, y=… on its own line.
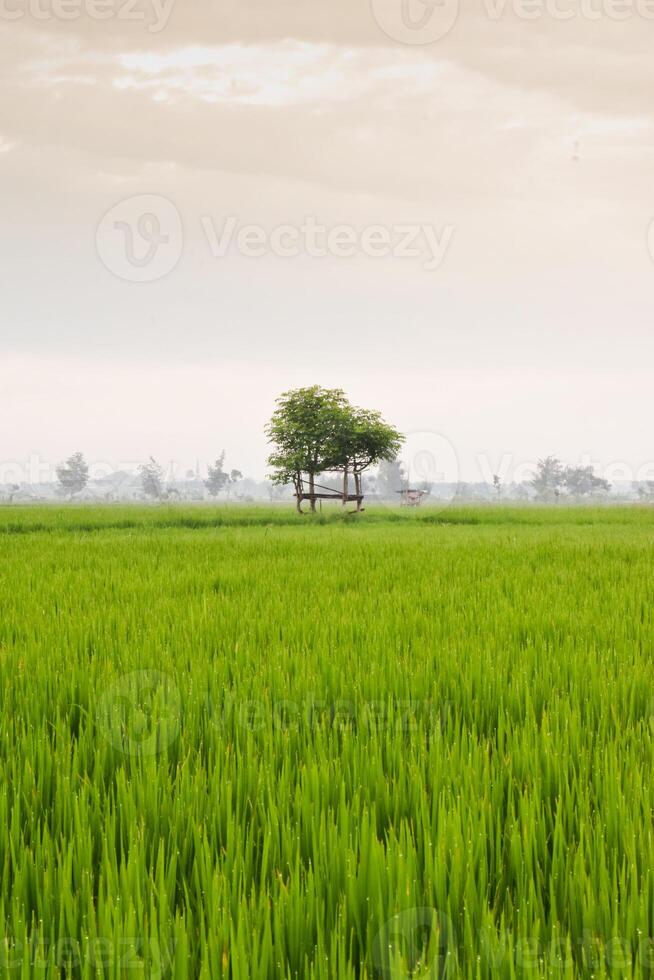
x=533, y=139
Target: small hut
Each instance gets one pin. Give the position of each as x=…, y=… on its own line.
x=411, y=498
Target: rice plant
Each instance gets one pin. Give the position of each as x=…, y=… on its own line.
x=241, y=743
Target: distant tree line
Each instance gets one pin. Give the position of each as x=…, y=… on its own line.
x=349, y=452
x=645, y=490
x=552, y=479
x=73, y=478
x=217, y=481
x=316, y=431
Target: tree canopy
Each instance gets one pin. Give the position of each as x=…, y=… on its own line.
x=552, y=477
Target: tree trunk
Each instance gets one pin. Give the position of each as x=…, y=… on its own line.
x=312, y=491
x=357, y=484
x=345, y=485
x=298, y=490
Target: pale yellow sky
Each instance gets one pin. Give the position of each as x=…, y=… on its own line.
x=480, y=178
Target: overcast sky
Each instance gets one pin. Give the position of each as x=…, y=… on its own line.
x=449, y=212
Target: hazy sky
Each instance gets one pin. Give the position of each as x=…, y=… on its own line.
x=449, y=211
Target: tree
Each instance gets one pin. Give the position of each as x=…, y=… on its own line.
x=316, y=430
x=581, y=481
x=73, y=475
x=217, y=478
x=390, y=478
x=497, y=485
x=304, y=431
x=275, y=492
x=152, y=479
x=548, y=479
x=645, y=490
x=232, y=480
x=364, y=440
x=520, y=491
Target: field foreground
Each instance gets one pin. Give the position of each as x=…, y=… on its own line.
x=240, y=743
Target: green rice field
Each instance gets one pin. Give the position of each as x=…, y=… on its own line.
x=241, y=743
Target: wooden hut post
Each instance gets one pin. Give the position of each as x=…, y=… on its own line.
x=357, y=488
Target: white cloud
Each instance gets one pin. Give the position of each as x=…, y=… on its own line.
x=540, y=159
